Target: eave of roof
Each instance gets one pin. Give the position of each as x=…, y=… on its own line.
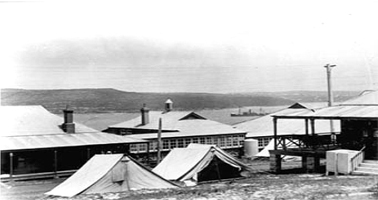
x=149, y=136
x=33, y=142
x=335, y=112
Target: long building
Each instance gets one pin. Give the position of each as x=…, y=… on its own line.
x=35, y=141
x=179, y=128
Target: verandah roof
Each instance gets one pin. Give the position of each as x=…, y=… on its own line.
x=335, y=112
x=31, y=142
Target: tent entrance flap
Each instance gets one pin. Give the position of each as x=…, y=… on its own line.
x=216, y=170
x=119, y=172
x=199, y=163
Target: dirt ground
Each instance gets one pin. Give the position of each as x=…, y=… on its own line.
x=259, y=185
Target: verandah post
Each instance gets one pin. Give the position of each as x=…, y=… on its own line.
x=55, y=164
x=275, y=132
x=11, y=166
x=312, y=121
x=306, y=126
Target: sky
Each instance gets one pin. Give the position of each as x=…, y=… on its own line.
x=189, y=46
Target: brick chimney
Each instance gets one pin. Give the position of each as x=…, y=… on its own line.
x=144, y=111
x=168, y=105
x=68, y=126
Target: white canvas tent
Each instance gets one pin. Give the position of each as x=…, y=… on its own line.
x=110, y=173
x=199, y=163
x=265, y=152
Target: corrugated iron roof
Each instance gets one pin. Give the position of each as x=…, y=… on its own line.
x=185, y=124
x=33, y=120
x=193, y=128
x=169, y=119
x=33, y=127
x=335, y=112
x=366, y=98
x=364, y=106
x=63, y=140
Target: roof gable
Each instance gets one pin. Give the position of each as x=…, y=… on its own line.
x=192, y=115
x=178, y=124
x=297, y=106
x=169, y=120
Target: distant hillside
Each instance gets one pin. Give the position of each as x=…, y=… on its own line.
x=111, y=100
x=312, y=96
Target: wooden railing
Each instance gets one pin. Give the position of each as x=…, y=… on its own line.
x=357, y=159
x=309, y=142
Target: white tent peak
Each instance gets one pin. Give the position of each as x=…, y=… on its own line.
x=199, y=162
x=110, y=173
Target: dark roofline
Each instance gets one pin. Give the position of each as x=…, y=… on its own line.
x=73, y=146
x=322, y=117
x=357, y=105
x=193, y=114
x=188, y=136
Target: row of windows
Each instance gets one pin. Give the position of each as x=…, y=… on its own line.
x=233, y=141
x=262, y=142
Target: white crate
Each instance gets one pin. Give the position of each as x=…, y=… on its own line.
x=339, y=161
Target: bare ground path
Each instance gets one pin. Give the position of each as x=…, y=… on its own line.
x=259, y=186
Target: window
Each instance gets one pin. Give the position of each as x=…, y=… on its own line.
x=215, y=141
x=195, y=140
x=153, y=146
x=133, y=148
x=142, y=147
x=241, y=140
x=208, y=140
x=180, y=143
x=261, y=142
x=266, y=141
x=202, y=140
x=218, y=141
x=235, y=141
x=173, y=143
x=187, y=142
x=229, y=141
x=165, y=144
x=222, y=142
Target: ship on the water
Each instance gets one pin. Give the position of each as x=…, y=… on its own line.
x=248, y=113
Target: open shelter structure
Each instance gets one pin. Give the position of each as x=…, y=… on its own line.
x=359, y=131
x=261, y=128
